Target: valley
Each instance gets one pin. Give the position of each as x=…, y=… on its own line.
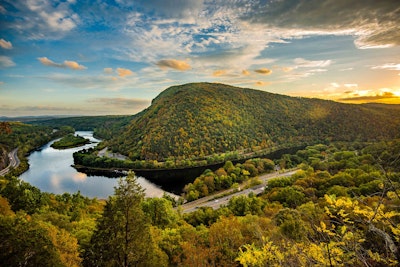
x=301, y=181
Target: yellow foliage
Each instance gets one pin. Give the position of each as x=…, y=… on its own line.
x=268, y=255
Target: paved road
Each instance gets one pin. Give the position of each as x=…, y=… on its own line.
x=14, y=162
x=215, y=201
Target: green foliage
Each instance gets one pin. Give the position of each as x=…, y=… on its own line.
x=224, y=178
x=339, y=209
x=25, y=242
x=122, y=236
x=159, y=211
x=202, y=121
x=70, y=141
x=103, y=126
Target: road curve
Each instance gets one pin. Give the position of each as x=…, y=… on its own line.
x=221, y=198
x=14, y=162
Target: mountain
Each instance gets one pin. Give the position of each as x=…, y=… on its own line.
x=196, y=120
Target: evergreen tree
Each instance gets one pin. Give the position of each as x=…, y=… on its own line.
x=122, y=237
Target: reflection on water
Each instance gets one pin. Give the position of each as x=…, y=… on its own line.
x=50, y=170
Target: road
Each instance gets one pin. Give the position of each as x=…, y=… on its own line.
x=221, y=198
x=14, y=162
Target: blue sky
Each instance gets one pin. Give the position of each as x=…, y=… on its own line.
x=113, y=57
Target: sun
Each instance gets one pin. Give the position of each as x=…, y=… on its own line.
x=396, y=93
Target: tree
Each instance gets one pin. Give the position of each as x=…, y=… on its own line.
x=122, y=237
x=25, y=242
x=160, y=212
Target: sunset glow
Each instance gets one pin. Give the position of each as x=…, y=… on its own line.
x=113, y=57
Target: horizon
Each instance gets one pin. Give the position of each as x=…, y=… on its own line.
x=80, y=58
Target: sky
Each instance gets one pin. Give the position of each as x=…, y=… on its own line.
x=82, y=57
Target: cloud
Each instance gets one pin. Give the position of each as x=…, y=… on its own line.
x=92, y=82
x=373, y=23
x=6, y=62
x=122, y=102
x=304, y=63
x=67, y=64
x=73, y=65
x=287, y=69
x=108, y=70
x=183, y=9
x=41, y=19
x=263, y=71
x=261, y=83
x=370, y=98
x=219, y=73
x=245, y=72
x=350, y=85
x=124, y=72
x=5, y=44
x=388, y=66
x=335, y=85
x=48, y=62
x=173, y=64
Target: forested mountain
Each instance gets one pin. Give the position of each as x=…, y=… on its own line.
x=196, y=120
x=103, y=126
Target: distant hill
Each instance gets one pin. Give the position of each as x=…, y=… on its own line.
x=196, y=120
x=103, y=126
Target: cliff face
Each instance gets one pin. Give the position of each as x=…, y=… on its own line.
x=4, y=160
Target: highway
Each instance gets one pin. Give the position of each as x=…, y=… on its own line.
x=221, y=198
x=14, y=162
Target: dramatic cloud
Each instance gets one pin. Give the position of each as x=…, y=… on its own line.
x=173, y=64
x=4, y=44
x=373, y=23
x=124, y=72
x=6, y=62
x=263, y=71
x=41, y=19
x=67, y=64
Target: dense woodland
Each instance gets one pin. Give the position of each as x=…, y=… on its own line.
x=340, y=209
x=199, y=120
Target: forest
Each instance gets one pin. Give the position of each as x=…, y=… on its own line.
x=200, y=121
x=341, y=208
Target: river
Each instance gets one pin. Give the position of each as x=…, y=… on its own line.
x=50, y=170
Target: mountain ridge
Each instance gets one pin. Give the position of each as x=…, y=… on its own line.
x=197, y=120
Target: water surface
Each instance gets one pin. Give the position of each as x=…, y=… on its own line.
x=50, y=170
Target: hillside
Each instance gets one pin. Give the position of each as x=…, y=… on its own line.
x=196, y=120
